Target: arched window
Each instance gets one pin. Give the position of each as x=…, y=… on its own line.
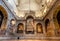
x=46, y=24
x=1, y=18
x=39, y=28
x=20, y=28
x=29, y=25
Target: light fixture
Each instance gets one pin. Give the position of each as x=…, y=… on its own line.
x=13, y=21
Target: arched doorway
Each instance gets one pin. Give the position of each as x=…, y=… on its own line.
x=56, y=19
x=39, y=28
x=48, y=28
x=3, y=18
x=29, y=25
x=20, y=28
x=46, y=24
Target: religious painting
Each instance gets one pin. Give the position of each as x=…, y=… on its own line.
x=39, y=28
x=20, y=28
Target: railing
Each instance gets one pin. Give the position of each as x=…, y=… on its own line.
x=34, y=38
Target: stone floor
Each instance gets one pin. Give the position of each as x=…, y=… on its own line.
x=29, y=40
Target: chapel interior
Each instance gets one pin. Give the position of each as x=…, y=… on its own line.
x=30, y=20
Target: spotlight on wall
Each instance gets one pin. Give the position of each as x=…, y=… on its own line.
x=13, y=21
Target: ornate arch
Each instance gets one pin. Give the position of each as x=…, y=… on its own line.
x=47, y=22
x=4, y=22
x=29, y=24
x=55, y=13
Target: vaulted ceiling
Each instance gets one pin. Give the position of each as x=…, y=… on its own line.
x=40, y=7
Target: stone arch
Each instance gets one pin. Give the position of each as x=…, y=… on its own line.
x=46, y=24
x=48, y=28
x=4, y=22
x=56, y=17
x=29, y=24
x=1, y=18
x=30, y=14
x=29, y=17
